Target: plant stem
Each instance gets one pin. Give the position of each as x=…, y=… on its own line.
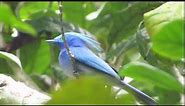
x=63, y=38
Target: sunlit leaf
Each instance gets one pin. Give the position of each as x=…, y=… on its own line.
x=165, y=25
x=145, y=72
x=7, y=17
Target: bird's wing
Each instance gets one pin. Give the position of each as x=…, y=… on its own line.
x=86, y=60
x=86, y=57
x=89, y=41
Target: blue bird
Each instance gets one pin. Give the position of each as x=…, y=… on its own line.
x=87, y=62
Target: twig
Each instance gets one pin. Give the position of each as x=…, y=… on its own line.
x=63, y=38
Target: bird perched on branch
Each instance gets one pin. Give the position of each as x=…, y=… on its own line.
x=87, y=63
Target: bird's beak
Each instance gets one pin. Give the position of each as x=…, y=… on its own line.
x=51, y=41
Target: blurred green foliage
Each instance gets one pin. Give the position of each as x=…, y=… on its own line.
x=84, y=93
x=134, y=39
x=7, y=17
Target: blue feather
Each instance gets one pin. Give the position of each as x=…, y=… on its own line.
x=90, y=59
x=77, y=39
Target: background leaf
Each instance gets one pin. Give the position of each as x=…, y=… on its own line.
x=121, y=23
x=150, y=74
x=36, y=59
x=7, y=17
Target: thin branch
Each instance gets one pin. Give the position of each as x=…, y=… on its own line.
x=63, y=38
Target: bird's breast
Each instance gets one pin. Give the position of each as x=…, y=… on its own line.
x=68, y=68
x=65, y=63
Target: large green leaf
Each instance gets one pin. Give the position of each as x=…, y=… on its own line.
x=35, y=57
x=88, y=90
x=150, y=74
x=7, y=17
x=165, y=25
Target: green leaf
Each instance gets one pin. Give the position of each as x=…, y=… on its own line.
x=35, y=57
x=7, y=17
x=46, y=23
x=50, y=22
x=11, y=57
x=24, y=27
x=170, y=41
x=145, y=72
x=165, y=25
x=167, y=96
x=88, y=90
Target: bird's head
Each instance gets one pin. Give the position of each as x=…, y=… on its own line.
x=74, y=39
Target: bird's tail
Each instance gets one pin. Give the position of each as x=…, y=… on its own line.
x=138, y=94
